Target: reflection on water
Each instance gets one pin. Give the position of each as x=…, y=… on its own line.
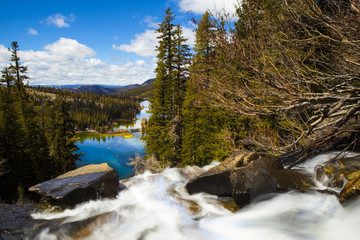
x=114, y=149
x=136, y=124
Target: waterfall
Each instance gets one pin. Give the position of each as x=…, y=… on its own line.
x=157, y=206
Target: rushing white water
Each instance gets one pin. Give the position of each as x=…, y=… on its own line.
x=157, y=206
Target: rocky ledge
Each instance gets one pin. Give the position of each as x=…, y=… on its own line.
x=83, y=184
x=245, y=176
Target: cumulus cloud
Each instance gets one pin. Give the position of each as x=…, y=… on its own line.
x=67, y=61
x=66, y=47
x=4, y=54
x=144, y=44
x=59, y=20
x=32, y=31
x=200, y=6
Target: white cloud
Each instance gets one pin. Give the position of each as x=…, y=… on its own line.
x=33, y=32
x=66, y=47
x=59, y=20
x=151, y=22
x=143, y=45
x=67, y=61
x=200, y=6
x=4, y=54
x=189, y=34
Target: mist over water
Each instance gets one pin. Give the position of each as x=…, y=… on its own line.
x=157, y=206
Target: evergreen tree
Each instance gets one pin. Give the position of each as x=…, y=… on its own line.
x=163, y=134
x=24, y=136
x=182, y=60
x=6, y=77
x=203, y=140
x=16, y=68
x=61, y=137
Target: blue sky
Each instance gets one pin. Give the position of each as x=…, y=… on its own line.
x=92, y=42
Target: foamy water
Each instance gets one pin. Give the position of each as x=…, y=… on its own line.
x=157, y=206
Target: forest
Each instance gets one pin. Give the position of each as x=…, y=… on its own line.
x=36, y=141
x=282, y=77
x=92, y=110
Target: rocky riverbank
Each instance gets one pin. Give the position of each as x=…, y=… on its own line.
x=243, y=178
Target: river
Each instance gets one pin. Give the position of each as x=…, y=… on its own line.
x=157, y=207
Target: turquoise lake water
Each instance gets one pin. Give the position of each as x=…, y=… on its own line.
x=116, y=150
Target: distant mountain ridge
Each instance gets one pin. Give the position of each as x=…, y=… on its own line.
x=104, y=89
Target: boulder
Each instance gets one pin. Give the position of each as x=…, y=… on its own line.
x=335, y=173
x=350, y=191
x=83, y=184
x=263, y=176
x=245, y=176
x=15, y=221
x=216, y=181
x=251, y=182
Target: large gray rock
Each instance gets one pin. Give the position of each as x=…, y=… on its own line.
x=216, y=181
x=15, y=221
x=245, y=176
x=251, y=182
x=82, y=184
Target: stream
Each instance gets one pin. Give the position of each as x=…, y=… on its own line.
x=157, y=206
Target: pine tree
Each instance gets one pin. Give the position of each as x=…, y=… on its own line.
x=203, y=140
x=6, y=77
x=61, y=137
x=163, y=134
x=182, y=60
x=16, y=68
x=25, y=135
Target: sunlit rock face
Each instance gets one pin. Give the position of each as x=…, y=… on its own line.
x=83, y=184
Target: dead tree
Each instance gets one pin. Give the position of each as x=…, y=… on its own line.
x=297, y=59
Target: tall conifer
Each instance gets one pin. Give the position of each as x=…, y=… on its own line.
x=163, y=134
x=203, y=124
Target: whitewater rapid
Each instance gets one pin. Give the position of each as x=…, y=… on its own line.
x=157, y=207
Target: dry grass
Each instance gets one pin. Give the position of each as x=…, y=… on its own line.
x=149, y=164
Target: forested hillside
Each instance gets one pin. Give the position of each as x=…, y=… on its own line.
x=283, y=76
x=91, y=110
x=36, y=140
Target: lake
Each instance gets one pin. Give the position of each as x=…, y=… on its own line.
x=115, y=150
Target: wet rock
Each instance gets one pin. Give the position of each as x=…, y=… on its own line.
x=291, y=179
x=216, y=181
x=15, y=221
x=250, y=182
x=263, y=176
x=336, y=173
x=216, y=184
x=245, y=177
x=83, y=184
x=350, y=191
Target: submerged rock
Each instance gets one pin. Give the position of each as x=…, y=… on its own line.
x=335, y=173
x=83, y=184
